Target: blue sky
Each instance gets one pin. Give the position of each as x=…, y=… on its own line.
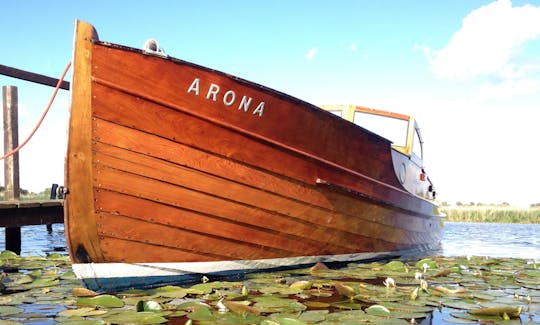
x=468, y=70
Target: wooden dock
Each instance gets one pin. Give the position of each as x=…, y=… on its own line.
x=16, y=213
x=26, y=213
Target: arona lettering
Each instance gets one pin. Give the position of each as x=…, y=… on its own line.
x=228, y=98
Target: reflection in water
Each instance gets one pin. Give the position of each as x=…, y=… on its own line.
x=37, y=241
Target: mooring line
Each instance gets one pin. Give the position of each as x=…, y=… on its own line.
x=12, y=152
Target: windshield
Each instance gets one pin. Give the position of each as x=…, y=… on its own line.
x=391, y=128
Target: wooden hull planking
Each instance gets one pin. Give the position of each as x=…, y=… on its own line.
x=167, y=165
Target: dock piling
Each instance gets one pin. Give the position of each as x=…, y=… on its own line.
x=11, y=164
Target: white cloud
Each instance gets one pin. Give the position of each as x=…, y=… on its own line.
x=508, y=89
x=488, y=43
x=310, y=55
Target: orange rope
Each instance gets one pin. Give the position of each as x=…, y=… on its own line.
x=12, y=152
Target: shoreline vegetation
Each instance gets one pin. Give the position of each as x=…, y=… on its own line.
x=460, y=212
x=492, y=213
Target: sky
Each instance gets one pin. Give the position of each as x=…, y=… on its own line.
x=469, y=71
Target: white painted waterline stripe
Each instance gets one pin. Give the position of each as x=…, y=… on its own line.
x=123, y=270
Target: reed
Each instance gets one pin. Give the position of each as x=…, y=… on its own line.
x=495, y=214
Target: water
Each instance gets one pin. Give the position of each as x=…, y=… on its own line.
x=491, y=239
x=37, y=241
x=459, y=239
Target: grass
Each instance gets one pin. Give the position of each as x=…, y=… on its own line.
x=495, y=214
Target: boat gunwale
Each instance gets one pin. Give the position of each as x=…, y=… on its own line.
x=245, y=82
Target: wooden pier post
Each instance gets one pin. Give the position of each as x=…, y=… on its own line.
x=11, y=164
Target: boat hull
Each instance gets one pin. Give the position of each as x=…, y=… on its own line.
x=170, y=162
x=122, y=276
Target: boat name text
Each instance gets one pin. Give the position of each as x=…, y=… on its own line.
x=229, y=98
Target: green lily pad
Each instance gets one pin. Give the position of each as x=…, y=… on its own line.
x=9, y=322
x=377, y=310
x=10, y=310
x=301, y=285
x=431, y=264
x=9, y=255
x=270, y=304
x=201, y=314
x=210, y=286
x=82, y=322
x=397, y=266
x=133, y=317
x=289, y=321
x=313, y=316
x=106, y=301
x=192, y=305
x=83, y=312
x=149, y=305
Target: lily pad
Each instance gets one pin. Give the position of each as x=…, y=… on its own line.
x=133, y=317
x=149, y=305
x=201, y=314
x=83, y=312
x=10, y=310
x=106, y=301
x=397, y=266
x=270, y=304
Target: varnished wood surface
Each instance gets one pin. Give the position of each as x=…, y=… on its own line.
x=79, y=216
x=170, y=176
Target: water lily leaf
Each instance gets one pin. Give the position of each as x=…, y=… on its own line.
x=176, y=293
x=344, y=290
x=83, y=312
x=289, y=321
x=346, y=305
x=406, y=308
x=82, y=322
x=316, y=304
x=10, y=310
x=42, y=283
x=270, y=304
x=8, y=322
x=465, y=315
x=458, y=304
x=23, y=279
x=83, y=292
x=498, y=311
x=106, y=301
x=313, y=316
x=397, y=266
x=421, y=265
x=201, y=314
x=192, y=305
x=450, y=291
x=168, y=288
x=301, y=285
x=240, y=308
x=280, y=289
x=377, y=310
x=210, y=286
x=133, y=317
x=9, y=255
x=148, y=305
x=5, y=300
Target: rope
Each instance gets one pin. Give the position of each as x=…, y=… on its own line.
x=14, y=151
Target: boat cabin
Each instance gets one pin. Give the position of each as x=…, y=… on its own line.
x=401, y=129
x=406, y=139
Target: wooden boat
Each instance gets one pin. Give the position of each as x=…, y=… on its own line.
x=175, y=171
